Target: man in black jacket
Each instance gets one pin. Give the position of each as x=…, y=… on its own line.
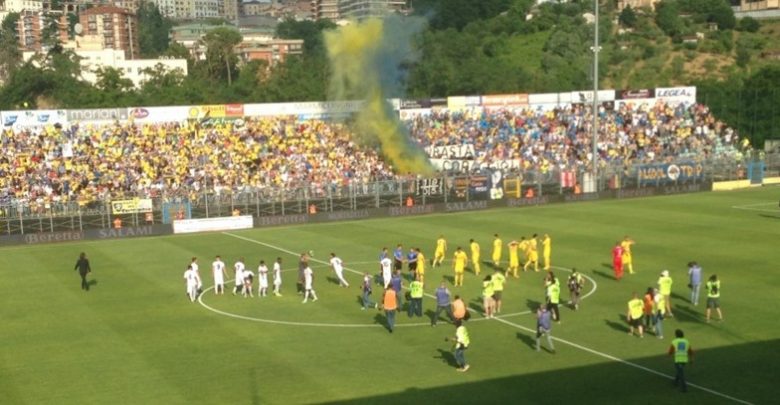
x=82, y=265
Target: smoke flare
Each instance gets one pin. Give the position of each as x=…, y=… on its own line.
x=365, y=59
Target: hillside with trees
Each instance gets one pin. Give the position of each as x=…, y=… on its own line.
x=468, y=47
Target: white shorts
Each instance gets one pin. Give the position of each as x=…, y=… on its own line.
x=192, y=287
x=263, y=281
x=219, y=279
x=308, y=285
x=278, y=281
x=340, y=273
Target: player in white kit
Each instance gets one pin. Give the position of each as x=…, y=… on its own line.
x=308, y=288
x=247, y=276
x=195, y=268
x=277, y=276
x=191, y=282
x=239, y=269
x=218, y=269
x=262, y=279
x=338, y=267
x=387, y=270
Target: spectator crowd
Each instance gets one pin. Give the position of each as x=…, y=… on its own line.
x=94, y=162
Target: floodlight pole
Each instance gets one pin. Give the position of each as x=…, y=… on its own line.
x=596, y=50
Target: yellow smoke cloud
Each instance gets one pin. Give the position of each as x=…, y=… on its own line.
x=364, y=58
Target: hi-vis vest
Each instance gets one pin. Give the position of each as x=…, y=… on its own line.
x=681, y=346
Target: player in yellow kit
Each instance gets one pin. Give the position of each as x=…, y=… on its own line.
x=533, y=254
x=626, y=245
x=459, y=260
x=514, y=259
x=497, y=246
x=474, y=255
x=420, y=265
x=546, y=250
x=441, y=250
x=523, y=247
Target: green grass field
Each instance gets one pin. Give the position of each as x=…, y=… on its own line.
x=134, y=337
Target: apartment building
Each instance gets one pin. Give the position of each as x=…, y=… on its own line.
x=117, y=28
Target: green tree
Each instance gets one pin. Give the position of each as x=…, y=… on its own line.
x=153, y=30
x=309, y=31
x=10, y=57
x=723, y=15
x=749, y=24
x=628, y=17
x=742, y=57
x=667, y=17
x=221, y=59
x=162, y=86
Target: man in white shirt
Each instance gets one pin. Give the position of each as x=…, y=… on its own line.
x=239, y=269
x=218, y=269
x=277, y=276
x=308, y=288
x=338, y=267
x=262, y=279
x=191, y=282
x=387, y=271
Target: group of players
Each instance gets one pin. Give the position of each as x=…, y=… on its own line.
x=245, y=277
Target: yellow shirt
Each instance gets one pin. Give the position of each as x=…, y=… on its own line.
x=475, y=251
x=635, y=307
x=513, y=250
x=459, y=261
x=626, y=245
x=497, y=244
x=420, y=263
x=441, y=245
x=546, y=245
x=523, y=245
x=532, y=246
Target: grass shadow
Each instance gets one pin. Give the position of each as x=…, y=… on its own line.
x=533, y=305
x=449, y=279
x=528, y=340
x=446, y=356
x=620, y=326
x=680, y=297
x=333, y=280
x=603, y=274
x=477, y=305
x=686, y=314
x=607, y=266
x=769, y=216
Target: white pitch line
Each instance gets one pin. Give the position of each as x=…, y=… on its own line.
x=326, y=264
x=626, y=362
x=751, y=207
x=499, y=319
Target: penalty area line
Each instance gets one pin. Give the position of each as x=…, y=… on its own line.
x=626, y=362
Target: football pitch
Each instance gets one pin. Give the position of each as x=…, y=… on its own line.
x=134, y=337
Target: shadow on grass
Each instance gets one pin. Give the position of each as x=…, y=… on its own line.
x=686, y=314
x=596, y=383
x=333, y=280
x=769, y=216
x=620, y=325
x=477, y=305
x=447, y=357
x=605, y=275
x=533, y=305
x=527, y=339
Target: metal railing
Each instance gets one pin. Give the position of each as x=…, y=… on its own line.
x=22, y=216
